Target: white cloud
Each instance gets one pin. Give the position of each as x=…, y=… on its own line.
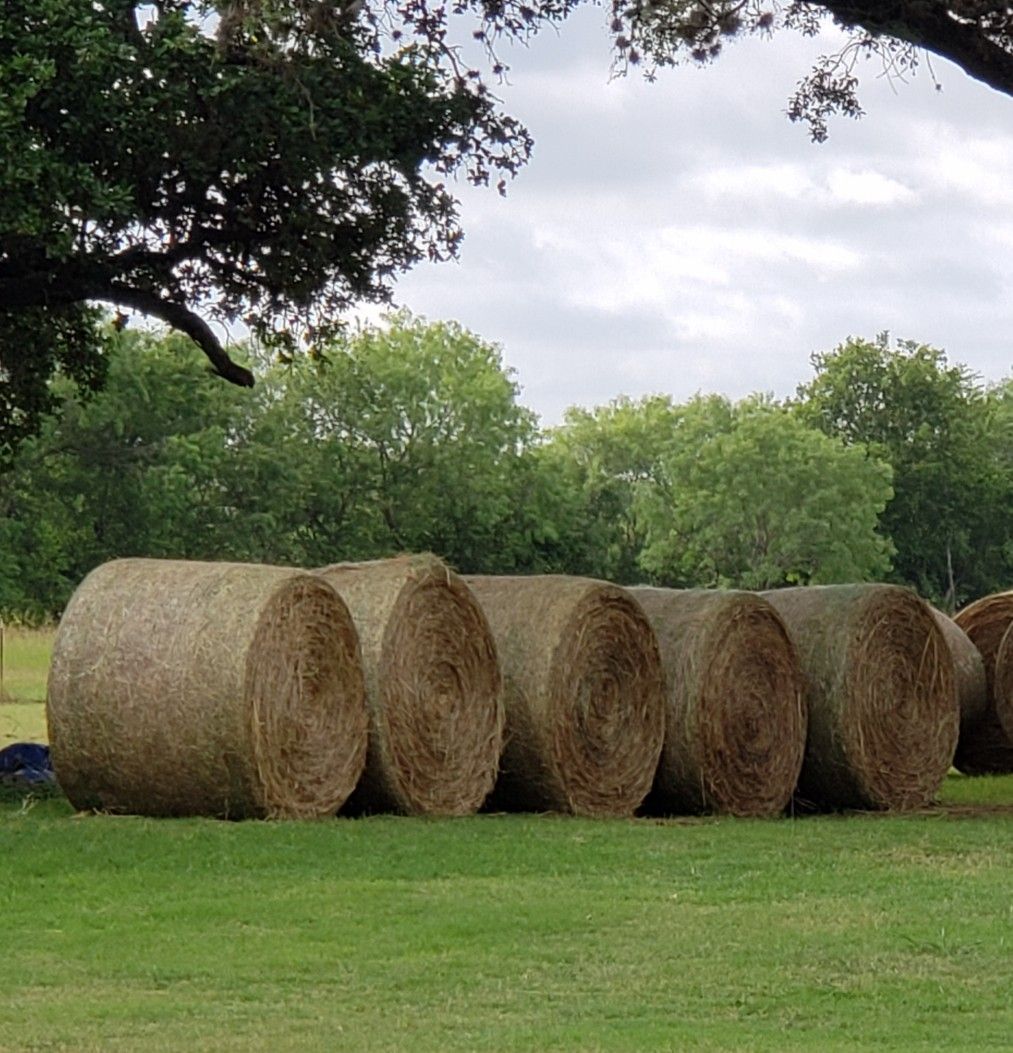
x=683, y=236
x=964, y=166
x=867, y=187
x=722, y=183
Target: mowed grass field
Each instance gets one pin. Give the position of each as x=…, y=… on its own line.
x=26, y=654
x=510, y=932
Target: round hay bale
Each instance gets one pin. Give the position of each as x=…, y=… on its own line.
x=882, y=705
x=584, y=693
x=735, y=723
x=986, y=621
x=971, y=687
x=987, y=747
x=1004, y=683
x=968, y=668
x=216, y=689
x=433, y=687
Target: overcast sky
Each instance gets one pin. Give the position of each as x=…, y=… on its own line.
x=684, y=236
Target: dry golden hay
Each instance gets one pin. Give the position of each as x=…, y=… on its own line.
x=735, y=725
x=433, y=687
x=987, y=747
x=971, y=687
x=218, y=689
x=883, y=714
x=584, y=692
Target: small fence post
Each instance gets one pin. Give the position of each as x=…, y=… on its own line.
x=2, y=627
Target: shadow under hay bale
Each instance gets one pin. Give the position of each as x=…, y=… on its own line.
x=584, y=694
x=972, y=691
x=987, y=747
x=218, y=689
x=882, y=705
x=735, y=725
x=433, y=687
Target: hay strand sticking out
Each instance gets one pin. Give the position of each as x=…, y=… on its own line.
x=218, y=689
x=433, y=687
x=584, y=692
x=883, y=716
x=735, y=724
x=986, y=748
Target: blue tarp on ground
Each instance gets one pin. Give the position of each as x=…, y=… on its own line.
x=25, y=764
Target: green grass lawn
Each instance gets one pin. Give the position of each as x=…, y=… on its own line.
x=501, y=933
x=22, y=722
x=26, y=655
x=510, y=933
x=26, y=663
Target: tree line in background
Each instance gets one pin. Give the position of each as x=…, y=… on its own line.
x=890, y=464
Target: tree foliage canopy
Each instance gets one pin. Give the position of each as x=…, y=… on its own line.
x=404, y=438
x=950, y=443
x=274, y=164
x=750, y=497
x=975, y=34
x=609, y=455
x=714, y=493
x=411, y=436
x=274, y=161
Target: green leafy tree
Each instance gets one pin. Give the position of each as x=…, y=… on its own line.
x=1001, y=452
x=130, y=471
x=270, y=160
x=401, y=438
x=713, y=493
x=276, y=160
x=608, y=455
x=749, y=496
x=949, y=442
x=416, y=438
x=35, y=536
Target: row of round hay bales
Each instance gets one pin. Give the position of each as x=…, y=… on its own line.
x=238, y=691
x=235, y=690
x=836, y=696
